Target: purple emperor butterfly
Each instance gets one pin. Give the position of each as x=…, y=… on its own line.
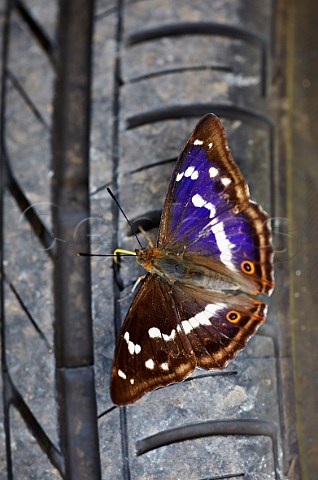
x=200, y=302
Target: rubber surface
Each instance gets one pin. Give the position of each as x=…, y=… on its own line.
x=158, y=66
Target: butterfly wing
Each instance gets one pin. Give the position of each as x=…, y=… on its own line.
x=150, y=351
x=217, y=324
x=208, y=211
x=194, y=327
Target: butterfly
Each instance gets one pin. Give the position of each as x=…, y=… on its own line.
x=212, y=267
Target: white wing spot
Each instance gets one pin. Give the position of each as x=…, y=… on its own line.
x=179, y=176
x=121, y=374
x=213, y=172
x=132, y=381
x=224, y=245
x=164, y=366
x=189, y=171
x=187, y=327
x=202, y=318
x=198, y=201
x=210, y=145
x=213, y=308
x=192, y=173
x=132, y=348
x=212, y=209
x=154, y=332
x=150, y=364
x=198, y=142
x=194, y=322
x=226, y=181
x=167, y=338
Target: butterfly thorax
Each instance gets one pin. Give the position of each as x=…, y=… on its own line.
x=176, y=267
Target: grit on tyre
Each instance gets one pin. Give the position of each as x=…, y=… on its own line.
x=104, y=94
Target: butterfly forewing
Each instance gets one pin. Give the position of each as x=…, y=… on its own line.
x=205, y=167
x=208, y=210
x=151, y=351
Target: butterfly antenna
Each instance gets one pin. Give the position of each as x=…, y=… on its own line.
x=121, y=251
x=126, y=218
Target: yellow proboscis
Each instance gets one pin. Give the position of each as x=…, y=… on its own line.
x=122, y=250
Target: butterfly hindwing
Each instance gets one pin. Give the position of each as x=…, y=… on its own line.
x=218, y=325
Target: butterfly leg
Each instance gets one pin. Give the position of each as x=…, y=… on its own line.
x=139, y=280
x=147, y=237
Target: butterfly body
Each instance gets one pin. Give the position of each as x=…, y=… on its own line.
x=203, y=295
x=178, y=267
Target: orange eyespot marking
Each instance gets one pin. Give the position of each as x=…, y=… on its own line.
x=233, y=316
x=248, y=267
